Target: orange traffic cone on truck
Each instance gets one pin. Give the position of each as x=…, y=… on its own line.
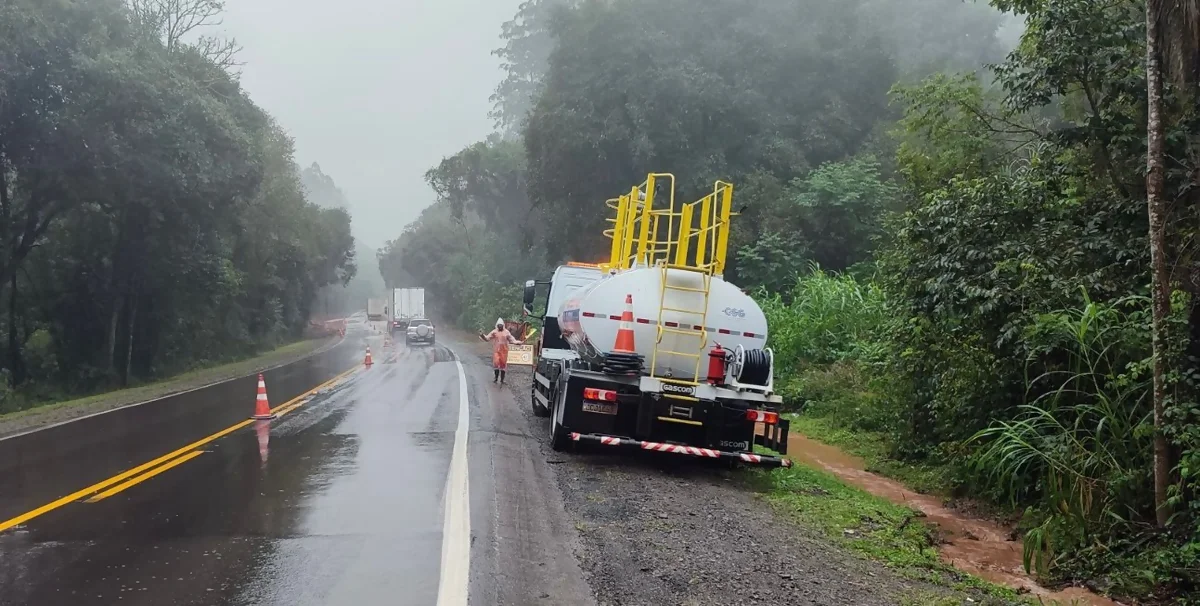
x=367, y=361
x=262, y=407
x=624, y=342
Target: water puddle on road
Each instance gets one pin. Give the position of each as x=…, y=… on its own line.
x=979, y=547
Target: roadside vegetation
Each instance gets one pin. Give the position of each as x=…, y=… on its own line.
x=53, y=412
x=946, y=218
x=152, y=219
x=876, y=528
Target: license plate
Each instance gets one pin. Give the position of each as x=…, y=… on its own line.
x=600, y=407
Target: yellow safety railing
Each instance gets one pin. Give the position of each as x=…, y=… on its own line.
x=650, y=229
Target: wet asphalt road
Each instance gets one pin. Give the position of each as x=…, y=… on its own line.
x=339, y=501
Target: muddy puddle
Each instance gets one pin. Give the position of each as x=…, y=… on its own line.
x=979, y=547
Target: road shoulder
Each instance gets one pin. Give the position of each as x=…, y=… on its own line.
x=523, y=544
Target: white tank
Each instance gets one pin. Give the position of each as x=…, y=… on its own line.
x=590, y=318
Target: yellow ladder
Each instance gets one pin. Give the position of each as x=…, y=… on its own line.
x=674, y=281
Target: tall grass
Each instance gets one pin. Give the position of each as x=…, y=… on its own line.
x=825, y=331
x=1080, y=445
x=825, y=318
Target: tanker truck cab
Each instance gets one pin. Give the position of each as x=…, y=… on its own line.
x=552, y=351
x=654, y=350
x=567, y=280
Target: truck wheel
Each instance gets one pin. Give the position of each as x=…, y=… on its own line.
x=559, y=440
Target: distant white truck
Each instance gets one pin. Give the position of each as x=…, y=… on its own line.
x=407, y=304
x=376, y=309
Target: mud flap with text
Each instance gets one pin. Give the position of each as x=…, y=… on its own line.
x=774, y=437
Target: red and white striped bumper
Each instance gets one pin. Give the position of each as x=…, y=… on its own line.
x=631, y=444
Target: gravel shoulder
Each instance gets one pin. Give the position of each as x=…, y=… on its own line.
x=59, y=412
x=663, y=530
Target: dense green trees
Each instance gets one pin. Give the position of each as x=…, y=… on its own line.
x=151, y=216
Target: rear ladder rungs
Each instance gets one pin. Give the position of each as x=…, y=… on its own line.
x=686, y=289
x=686, y=311
x=679, y=353
x=686, y=333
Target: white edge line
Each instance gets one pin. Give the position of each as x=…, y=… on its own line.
x=454, y=580
x=33, y=430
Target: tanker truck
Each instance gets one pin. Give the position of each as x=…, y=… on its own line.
x=653, y=349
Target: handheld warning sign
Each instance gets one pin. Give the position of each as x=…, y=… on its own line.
x=520, y=355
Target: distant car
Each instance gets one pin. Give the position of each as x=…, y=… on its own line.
x=399, y=325
x=420, y=330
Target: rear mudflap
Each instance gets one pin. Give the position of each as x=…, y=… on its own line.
x=775, y=436
x=633, y=444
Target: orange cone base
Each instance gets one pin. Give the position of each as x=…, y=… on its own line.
x=266, y=417
x=624, y=342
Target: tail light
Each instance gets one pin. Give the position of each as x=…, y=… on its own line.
x=762, y=416
x=603, y=395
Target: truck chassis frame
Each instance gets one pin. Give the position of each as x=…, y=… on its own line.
x=709, y=422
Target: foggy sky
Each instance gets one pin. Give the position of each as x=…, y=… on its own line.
x=375, y=91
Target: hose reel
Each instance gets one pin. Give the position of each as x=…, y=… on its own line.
x=752, y=366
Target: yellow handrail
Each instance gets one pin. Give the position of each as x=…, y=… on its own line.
x=641, y=237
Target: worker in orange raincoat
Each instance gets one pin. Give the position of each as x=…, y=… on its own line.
x=500, y=339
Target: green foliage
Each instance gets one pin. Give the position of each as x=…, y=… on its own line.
x=832, y=217
x=1082, y=443
x=152, y=215
x=771, y=261
x=636, y=91
x=824, y=318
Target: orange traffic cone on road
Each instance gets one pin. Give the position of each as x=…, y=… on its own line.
x=367, y=361
x=624, y=342
x=262, y=408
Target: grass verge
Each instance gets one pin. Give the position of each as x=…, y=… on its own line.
x=54, y=412
x=876, y=529
x=872, y=448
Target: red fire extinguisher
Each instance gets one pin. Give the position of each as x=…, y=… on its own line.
x=716, y=365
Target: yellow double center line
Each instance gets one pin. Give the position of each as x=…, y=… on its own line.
x=148, y=470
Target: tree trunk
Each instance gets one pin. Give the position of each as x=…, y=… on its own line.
x=1159, y=275
x=14, y=349
x=15, y=363
x=129, y=343
x=115, y=279
x=113, y=320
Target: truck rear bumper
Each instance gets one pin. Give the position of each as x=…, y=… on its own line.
x=632, y=444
